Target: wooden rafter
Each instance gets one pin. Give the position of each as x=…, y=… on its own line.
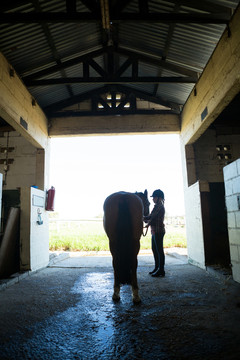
x=113, y=80
x=86, y=17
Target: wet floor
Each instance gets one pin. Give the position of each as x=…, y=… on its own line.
x=66, y=312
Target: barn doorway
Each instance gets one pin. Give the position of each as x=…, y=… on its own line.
x=85, y=170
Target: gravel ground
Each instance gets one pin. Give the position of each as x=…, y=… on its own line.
x=68, y=313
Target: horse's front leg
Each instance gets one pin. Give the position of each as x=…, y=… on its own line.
x=135, y=295
x=116, y=289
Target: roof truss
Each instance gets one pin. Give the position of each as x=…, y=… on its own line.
x=119, y=69
x=113, y=73
x=116, y=106
x=133, y=59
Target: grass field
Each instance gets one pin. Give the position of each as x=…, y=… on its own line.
x=90, y=236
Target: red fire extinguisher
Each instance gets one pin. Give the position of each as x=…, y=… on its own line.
x=50, y=199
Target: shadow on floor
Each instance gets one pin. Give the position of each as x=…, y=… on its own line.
x=67, y=312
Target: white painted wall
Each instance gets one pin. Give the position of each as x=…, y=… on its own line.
x=34, y=238
x=232, y=192
x=194, y=224
x=193, y=211
x=1, y=177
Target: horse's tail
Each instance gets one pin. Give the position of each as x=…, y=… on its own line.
x=124, y=243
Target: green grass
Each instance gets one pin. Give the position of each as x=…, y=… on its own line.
x=90, y=236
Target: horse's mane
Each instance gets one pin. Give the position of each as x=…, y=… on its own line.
x=145, y=201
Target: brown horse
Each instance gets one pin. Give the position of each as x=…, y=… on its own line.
x=123, y=223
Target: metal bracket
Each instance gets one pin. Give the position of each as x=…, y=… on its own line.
x=39, y=221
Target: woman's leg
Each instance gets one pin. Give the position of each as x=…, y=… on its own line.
x=155, y=252
x=155, y=255
x=158, y=241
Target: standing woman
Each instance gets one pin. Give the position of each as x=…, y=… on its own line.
x=156, y=221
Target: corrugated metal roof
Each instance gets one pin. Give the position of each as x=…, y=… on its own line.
x=161, y=49
x=193, y=44
x=146, y=38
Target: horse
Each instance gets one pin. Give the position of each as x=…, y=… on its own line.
x=123, y=224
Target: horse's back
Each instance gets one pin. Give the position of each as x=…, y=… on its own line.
x=120, y=205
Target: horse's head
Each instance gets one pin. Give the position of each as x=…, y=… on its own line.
x=146, y=203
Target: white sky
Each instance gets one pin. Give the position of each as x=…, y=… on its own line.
x=85, y=170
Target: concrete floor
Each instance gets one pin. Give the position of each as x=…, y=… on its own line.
x=66, y=312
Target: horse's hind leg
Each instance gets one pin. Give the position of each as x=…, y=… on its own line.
x=135, y=295
x=116, y=289
x=116, y=293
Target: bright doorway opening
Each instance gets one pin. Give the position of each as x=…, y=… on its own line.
x=85, y=170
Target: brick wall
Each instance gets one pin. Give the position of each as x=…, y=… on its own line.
x=232, y=195
x=16, y=107
x=22, y=169
x=208, y=166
